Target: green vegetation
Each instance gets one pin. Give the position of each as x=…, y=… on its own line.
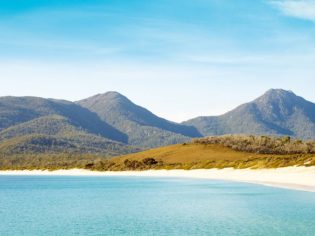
x=83, y=143
x=212, y=152
x=56, y=134
x=261, y=144
x=49, y=161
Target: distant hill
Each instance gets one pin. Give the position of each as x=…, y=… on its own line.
x=277, y=112
x=56, y=134
x=142, y=127
x=47, y=144
x=36, y=125
x=46, y=125
x=17, y=110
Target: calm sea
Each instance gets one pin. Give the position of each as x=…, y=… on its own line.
x=38, y=205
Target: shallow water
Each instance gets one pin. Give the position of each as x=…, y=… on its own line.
x=50, y=205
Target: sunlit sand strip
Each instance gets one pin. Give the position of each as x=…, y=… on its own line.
x=298, y=178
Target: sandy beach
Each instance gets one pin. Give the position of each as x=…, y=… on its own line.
x=297, y=178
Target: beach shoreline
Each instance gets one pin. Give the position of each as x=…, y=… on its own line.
x=295, y=178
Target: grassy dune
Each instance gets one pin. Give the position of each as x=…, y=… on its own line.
x=211, y=152
x=196, y=155
x=189, y=153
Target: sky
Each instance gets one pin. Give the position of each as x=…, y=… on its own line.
x=178, y=58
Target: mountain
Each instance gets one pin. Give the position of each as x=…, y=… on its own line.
x=37, y=125
x=142, y=127
x=17, y=110
x=277, y=112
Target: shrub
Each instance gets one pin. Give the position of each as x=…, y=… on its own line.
x=261, y=144
x=133, y=164
x=149, y=161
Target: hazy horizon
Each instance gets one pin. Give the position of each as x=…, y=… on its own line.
x=179, y=59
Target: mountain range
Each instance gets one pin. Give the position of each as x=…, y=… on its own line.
x=277, y=112
x=107, y=124
x=110, y=124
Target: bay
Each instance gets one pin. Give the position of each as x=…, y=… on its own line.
x=61, y=205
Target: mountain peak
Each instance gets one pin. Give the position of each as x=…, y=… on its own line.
x=277, y=96
x=111, y=97
x=279, y=92
x=112, y=94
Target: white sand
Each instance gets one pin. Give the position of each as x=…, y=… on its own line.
x=298, y=178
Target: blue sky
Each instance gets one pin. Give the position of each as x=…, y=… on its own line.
x=179, y=58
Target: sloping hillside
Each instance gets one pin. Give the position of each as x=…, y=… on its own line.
x=277, y=112
x=17, y=110
x=143, y=128
x=222, y=152
x=56, y=134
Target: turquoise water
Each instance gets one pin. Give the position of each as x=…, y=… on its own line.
x=38, y=205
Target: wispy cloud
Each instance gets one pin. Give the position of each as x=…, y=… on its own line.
x=303, y=9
